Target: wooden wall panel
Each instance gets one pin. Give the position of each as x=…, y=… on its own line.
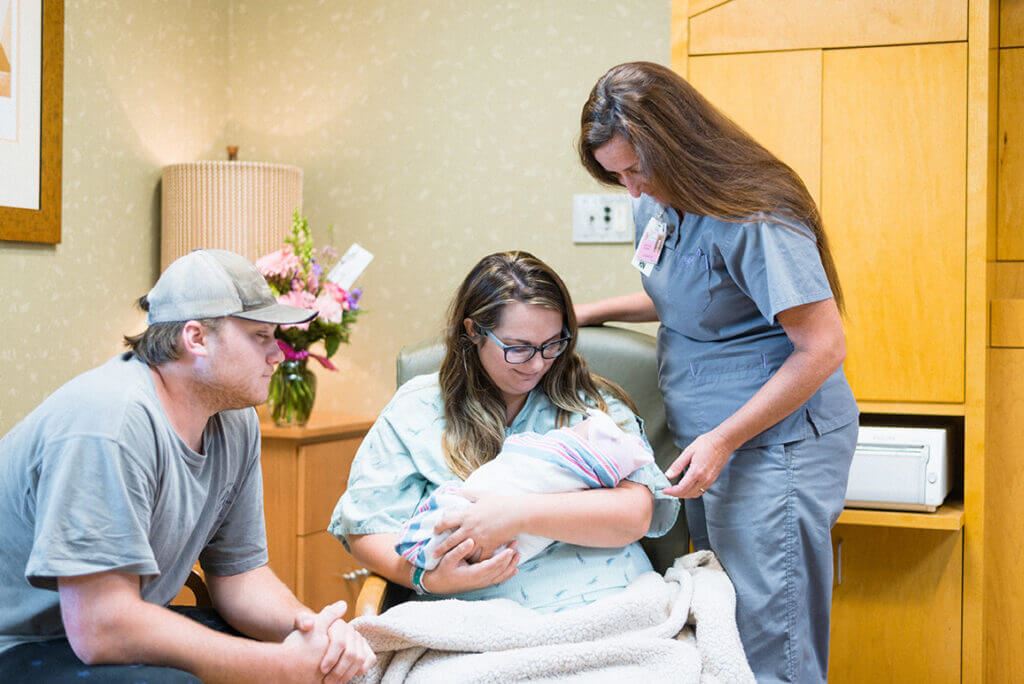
x=1007, y=280
x=1010, y=231
x=762, y=25
x=1008, y=325
x=776, y=97
x=1004, y=533
x=701, y=6
x=1011, y=23
x=893, y=201
x=679, y=27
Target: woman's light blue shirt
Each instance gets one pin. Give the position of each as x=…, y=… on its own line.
x=400, y=463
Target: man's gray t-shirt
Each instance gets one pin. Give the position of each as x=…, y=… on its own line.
x=96, y=479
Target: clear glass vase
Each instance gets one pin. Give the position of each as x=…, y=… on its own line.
x=292, y=393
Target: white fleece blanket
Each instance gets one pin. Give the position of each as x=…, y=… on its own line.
x=676, y=628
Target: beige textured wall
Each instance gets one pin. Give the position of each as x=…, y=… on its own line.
x=143, y=86
x=432, y=133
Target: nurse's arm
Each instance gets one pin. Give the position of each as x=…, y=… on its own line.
x=819, y=347
x=631, y=308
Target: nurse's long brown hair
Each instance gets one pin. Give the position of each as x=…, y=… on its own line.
x=698, y=159
x=474, y=410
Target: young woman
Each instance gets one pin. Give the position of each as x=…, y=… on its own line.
x=736, y=266
x=510, y=366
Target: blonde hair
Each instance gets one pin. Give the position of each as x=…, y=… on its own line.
x=474, y=410
x=695, y=156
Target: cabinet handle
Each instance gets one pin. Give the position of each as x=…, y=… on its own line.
x=355, y=574
x=839, y=562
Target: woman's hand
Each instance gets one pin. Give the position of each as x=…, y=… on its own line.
x=490, y=521
x=455, y=574
x=703, y=460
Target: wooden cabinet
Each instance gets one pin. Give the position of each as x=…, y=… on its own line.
x=913, y=109
x=305, y=471
x=894, y=587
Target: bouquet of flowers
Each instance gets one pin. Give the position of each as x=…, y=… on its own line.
x=297, y=275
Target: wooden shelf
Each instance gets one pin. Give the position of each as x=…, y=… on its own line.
x=950, y=517
x=911, y=408
x=321, y=427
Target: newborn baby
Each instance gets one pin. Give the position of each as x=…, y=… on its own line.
x=593, y=453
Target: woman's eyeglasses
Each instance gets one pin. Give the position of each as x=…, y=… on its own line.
x=521, y=353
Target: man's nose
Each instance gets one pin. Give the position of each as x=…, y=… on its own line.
x=276, y=356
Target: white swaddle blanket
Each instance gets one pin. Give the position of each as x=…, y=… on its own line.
x=594, y=453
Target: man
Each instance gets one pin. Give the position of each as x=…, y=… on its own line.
x=117, y=483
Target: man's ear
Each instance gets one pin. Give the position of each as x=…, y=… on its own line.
x=194, y=338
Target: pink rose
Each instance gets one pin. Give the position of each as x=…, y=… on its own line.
x=329, y=308
x=301, y=299
x=337, y=293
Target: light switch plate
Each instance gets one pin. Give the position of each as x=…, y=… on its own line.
x=602, y=218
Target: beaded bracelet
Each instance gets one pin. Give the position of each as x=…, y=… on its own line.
x=417, y=581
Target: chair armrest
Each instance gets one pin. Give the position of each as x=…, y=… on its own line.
x=371, y=596
x=197, y=586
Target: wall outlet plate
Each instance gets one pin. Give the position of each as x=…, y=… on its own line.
x=602, y=218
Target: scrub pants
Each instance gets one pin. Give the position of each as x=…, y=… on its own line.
x=54, y=662
x=768, y=518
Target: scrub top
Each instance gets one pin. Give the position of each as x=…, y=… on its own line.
x=718, y=288
x=401, y=462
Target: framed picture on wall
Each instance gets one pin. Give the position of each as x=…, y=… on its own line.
x=31, y=119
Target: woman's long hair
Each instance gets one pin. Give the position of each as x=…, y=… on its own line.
x=474, y=410
x=695, y=156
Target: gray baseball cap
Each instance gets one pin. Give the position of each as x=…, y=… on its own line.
x=211, y=283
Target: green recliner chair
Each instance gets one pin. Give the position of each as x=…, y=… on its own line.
x=624, y=356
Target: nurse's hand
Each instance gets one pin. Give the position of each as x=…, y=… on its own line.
x=703, y=460
x=492, y=521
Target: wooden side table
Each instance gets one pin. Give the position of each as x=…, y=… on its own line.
x=305, y=471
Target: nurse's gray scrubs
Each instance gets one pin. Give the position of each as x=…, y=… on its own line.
x=718, y=288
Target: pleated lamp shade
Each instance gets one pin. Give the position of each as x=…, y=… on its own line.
x=244, y=207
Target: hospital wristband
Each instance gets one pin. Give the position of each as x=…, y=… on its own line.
x=417, y=581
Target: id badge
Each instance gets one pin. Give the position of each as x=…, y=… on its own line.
x=651, y=243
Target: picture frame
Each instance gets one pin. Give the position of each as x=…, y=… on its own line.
x=43, y=225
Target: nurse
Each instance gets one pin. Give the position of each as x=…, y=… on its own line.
x=736, y=266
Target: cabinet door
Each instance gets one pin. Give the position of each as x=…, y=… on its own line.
x=327, y=573
x=1011, y=153
x=280, y=506
x=774, y=96
x=323, y=472
x=896, y=605
x=894, y=203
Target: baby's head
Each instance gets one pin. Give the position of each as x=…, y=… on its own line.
x=601, y=433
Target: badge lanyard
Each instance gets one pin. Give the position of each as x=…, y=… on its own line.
x=648, y=251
